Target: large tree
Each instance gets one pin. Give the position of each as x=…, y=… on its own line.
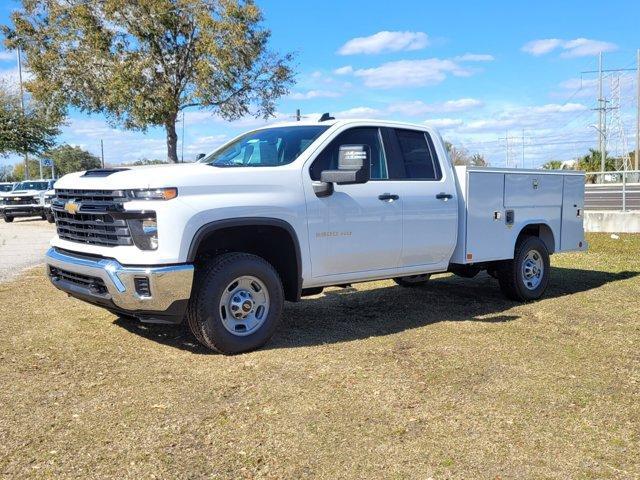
x=68, y=159
x=141, y=62
x=24, y=131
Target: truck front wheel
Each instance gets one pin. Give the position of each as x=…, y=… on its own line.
x=236, y=304
x=526, y=277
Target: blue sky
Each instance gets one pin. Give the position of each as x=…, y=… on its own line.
x=476, y=70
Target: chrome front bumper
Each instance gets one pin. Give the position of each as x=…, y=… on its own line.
x=24, y=209
x=107, y=283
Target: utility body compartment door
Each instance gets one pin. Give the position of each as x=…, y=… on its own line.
x=531, y=190
x=487, y=235
x=572, y=230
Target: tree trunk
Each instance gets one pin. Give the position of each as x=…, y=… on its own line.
x=172, y=140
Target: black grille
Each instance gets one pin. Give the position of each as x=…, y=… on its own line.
x=20, y=201
x=96, y=285
x=93, y=223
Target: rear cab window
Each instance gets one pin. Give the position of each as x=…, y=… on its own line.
x=414, y=155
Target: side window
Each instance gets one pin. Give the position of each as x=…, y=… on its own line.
x=418, y=155
x=328, y=158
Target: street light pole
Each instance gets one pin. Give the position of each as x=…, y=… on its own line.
x=637, y=152
x=26, y=155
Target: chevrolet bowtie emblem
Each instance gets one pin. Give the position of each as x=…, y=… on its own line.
x=71, y=207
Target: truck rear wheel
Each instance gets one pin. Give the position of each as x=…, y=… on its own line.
x=237, y=303
x=7, y=218
x=412, y=280
x=526, y=277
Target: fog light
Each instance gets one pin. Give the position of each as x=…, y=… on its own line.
x=144, y=233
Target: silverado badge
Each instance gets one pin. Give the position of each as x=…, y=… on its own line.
x=71, y=207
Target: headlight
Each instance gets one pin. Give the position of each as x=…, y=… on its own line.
x=144, y=232
x=154, y=194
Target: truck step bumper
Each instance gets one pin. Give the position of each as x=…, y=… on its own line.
x=154, y=294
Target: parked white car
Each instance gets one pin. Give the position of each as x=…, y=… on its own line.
x=25, y=200
x=284, y=211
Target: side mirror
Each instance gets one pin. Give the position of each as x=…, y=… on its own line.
x=354, y=166
x=200, y=156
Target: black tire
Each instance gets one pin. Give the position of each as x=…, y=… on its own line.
x=204, y=315
x=413, y=280
x=7, y=218
x=50, y=218
x=511, y=276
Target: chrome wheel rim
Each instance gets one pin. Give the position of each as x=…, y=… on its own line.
x=244, y=305
x=532, y=269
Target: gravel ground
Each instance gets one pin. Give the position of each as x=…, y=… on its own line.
x=22, y=245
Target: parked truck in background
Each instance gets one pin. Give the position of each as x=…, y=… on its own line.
x=283, y=211
x=25, y=200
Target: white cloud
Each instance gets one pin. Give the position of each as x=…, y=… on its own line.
x=578, y=47
x=530, y=117
x=474, y=57
x=359, y=112
x=385, y=42
x=444, y=123
x=6, y=56
x=405, y=73
x=418, y=107
x=11, y=78
x=346, y=70
x=541, y=47
x=311, y=94
x=588, y=88
x=583, y=47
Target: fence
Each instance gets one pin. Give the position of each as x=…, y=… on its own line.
x=618, y=190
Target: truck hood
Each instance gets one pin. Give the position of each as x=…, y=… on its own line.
x=22, y=193
x=148, y=176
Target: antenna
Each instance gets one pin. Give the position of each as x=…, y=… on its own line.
x=325, y=117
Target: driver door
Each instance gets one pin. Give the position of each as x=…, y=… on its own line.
x=358, y=228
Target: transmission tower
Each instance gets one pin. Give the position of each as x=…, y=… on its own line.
x=617, y=137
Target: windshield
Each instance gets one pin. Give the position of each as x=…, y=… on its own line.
x=266, y=148
x=32, y=186
x=6, y=188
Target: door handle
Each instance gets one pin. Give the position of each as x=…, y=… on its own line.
x=388, y=196
x=444, y=196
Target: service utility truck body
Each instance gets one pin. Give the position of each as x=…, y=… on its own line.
x=283, y=211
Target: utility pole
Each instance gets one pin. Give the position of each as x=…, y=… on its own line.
x=506, y=139
x=523, y=148
x=602, y=106
x=102, y=152
x=637, y=153
x=601, y=110
x=26, y=155
x=182, y=146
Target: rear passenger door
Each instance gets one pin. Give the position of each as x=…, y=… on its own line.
x=426, y=187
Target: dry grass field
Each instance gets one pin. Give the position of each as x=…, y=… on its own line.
x=445, y=381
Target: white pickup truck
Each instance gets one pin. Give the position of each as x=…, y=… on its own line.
x=283, y=211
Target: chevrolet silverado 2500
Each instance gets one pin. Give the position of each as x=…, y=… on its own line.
x=25, y=200
x=281, y=212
